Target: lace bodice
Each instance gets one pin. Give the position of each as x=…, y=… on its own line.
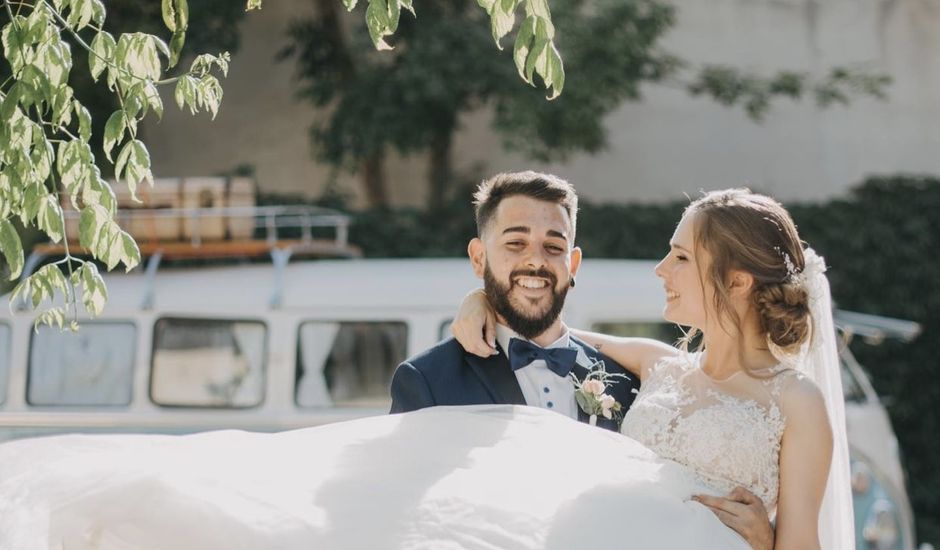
x=727, y=431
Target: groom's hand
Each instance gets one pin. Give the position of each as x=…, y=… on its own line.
x=742, y=511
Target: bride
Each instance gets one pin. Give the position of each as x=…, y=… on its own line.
x=738, y=413
x=759, y=404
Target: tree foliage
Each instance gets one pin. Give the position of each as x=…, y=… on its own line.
x=47, y=163
x=47, y=160
x=410, y=100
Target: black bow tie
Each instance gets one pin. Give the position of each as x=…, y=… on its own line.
x=559, y=360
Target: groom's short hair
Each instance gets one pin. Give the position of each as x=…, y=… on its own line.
x=539, y=186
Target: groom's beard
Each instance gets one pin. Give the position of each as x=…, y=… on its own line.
x=524, y=325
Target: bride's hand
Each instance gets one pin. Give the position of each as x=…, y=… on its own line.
x=475, y=325
x=744, y=512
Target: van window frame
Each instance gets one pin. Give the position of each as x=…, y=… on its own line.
x=299, y=357
x=264, y=362
x=86, y=322
x=9, y=362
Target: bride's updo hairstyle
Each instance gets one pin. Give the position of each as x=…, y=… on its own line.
x=745, y=231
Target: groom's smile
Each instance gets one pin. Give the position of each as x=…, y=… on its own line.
x=526, y=260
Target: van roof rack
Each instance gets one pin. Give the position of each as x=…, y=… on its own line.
x=246, y=231
x=226, y=232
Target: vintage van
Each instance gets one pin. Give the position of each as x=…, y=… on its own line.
x=279, y=345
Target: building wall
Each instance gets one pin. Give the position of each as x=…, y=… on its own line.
x=668, y=145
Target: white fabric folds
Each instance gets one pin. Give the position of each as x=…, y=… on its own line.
x=481, y=477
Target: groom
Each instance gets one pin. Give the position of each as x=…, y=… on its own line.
x=525, y=254
x=526, y=258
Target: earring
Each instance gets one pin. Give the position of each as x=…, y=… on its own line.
x=571, y=283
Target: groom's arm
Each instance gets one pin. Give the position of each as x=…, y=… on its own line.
x=410, y=390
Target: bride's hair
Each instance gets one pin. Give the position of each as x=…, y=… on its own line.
x=746, y=231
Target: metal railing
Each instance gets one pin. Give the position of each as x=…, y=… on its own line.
x=272, y=219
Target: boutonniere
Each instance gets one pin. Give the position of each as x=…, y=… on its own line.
x=591, y=393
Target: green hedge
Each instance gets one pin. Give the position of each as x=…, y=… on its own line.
x=882, y=243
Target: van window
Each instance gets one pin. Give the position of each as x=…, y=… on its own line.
x=348, y=363
x=93, y=366
x=5, y=350
x=208, y=363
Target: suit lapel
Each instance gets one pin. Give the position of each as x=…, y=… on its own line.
x=498, y=378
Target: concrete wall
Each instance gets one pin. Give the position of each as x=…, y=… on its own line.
x=665, y=146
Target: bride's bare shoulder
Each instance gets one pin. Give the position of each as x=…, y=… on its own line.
x=801, y=399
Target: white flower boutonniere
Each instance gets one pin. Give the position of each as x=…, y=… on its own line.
x=591, y=393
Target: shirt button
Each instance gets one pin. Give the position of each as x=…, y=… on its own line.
x=550, y=404
x=546, y=390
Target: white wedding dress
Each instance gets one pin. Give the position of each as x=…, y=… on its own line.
x=727, y=431
x=481, y=477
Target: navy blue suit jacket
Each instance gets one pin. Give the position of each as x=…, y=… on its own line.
x=448, y=375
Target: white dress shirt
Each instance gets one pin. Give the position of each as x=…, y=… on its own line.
x=540, y=386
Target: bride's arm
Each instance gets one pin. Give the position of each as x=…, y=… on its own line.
x=805, y=455
x=474, y=327
x=637, y=355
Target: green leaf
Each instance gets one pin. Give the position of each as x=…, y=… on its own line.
x=92, y=220
x=94, y=292
x=113, y=132
x=12, y=248
x=41, y=158
x=62, y=106
x=45, y=282
x=134, y=163
x=37, y=84
x=377, y=20
x=254, y=5
x=130, y=255
x=137, y=53
x=97, y=191
x=538, y=8
x=13, y=38
x=176, y=47
x=99, y=12
x=502, y=18
x=182, y=14
x=209, y=94
x=8, y=196
x=11, y=102
x=51, y=317
x=37, y=24
x=185, y=93
x=161, y=46
x=203, y=64
x=84, y=120
x=152, y=96
x=50, y=218
x=111, y=245
x=169, y=14
x=394, y=14
x=554, y=74
x=523, y=46
x=32, y=201
x=81, y=14
x=102, y=52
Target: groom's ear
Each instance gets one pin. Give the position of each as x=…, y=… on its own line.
x=575, y=261
x=477, y=252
